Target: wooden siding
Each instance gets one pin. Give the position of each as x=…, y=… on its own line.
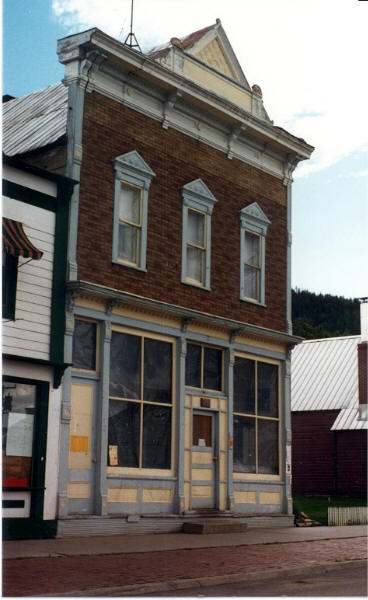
x=352, y=462
x=29, y=334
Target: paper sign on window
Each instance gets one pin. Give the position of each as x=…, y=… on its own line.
x=113, y=456
x=201, y=442
x=19, y=438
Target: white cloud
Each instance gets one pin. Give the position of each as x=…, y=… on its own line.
x=308, y=56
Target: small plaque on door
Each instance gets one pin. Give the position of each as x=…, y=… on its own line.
x=113, y=456
x=205, y=403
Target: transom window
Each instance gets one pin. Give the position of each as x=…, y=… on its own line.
x=203, y=367
x=140, y=406
x=84, y=344
x=256, y=416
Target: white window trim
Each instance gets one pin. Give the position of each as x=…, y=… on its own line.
x=197, y=196
x=131, y=169
x=253, y=219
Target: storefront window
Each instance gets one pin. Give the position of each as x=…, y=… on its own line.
x=140, y=408
x=256, y=417
x=19, y=405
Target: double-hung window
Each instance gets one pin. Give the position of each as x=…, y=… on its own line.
x=256, y=417
x=132, y=181
x=198, y=203
x=253, y=230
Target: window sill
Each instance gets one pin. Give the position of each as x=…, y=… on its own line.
x=85, y=374
x=254, y=302
x=122, y=263
x=120, y=477
x=196, y=285
x=256, y=478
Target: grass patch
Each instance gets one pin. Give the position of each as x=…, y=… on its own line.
x=316, y=505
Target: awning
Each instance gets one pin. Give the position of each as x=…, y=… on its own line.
x=15, y=241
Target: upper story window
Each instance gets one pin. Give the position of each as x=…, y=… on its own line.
x=198, y=203
x=132, y=181
x=204, y=366
x=253, y=230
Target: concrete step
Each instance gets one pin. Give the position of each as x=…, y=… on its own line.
x=214, y=526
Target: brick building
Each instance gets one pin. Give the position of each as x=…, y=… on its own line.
x=178, y=318
x=329, y=414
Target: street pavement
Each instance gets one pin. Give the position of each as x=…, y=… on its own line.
x=150, y=564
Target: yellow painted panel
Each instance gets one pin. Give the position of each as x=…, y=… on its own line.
x=223, y=469
x=196, y=402
x=156, y=495
x=78, y=489
x=187, y=428
x=150, y=317
x=90, y=303
x=245, y=497
x=82, y=403
x=186, y=496
x=215, y=403
x=209, y=330
x=79, y=443
x=187, y=465
x=213, y=55
x=202, y=474
x=222, y=496
x=201, y=491
x=261, y=343
x=117, y=494
x=79, y=460
x=223, y=404
x=202, y=458
x=270, y=497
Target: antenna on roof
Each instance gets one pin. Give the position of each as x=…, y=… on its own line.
x=131, y=40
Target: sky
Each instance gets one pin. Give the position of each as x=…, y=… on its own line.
x=308, y=56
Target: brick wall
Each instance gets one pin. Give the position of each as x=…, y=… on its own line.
x=110, y=130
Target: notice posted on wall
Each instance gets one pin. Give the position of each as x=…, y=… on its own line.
x=113, y=456
x=19, y=439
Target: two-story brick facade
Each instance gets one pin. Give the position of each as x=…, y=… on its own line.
x=179, y=310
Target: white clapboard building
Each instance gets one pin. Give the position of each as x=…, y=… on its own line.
x=35, y=208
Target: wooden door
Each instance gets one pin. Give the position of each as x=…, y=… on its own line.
x=204, y=461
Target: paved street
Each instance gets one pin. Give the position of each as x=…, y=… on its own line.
x=131, y=572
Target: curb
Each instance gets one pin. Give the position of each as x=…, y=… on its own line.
x=180, y=584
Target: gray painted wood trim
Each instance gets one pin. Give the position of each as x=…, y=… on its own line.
x=102, y=421
x=289, y=322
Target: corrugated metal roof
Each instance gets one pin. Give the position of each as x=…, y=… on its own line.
x=35, y=120
x=348, y=419
x=324, y=374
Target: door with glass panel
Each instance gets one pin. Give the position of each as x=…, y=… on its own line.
x=24, y=423
x=204, y=461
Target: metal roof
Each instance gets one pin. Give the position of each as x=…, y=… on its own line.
x=35, y=120
x=324, y=374
x=348, y=418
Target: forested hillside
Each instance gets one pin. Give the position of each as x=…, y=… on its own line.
x=323, y=315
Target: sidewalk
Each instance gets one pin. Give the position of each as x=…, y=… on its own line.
x=128, y=565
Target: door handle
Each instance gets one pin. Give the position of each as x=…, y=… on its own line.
x=215, y=458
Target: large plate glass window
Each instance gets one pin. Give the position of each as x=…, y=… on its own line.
x=256, y=416
x=198, y=203
x=253, y=230
x=133, y=178
x=203, y=367
x=140, y=406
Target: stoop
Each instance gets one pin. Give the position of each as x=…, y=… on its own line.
x=214, y=526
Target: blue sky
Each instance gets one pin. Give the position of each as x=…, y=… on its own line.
x=313, y=85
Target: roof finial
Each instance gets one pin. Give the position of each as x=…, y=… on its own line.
x=131, y=40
